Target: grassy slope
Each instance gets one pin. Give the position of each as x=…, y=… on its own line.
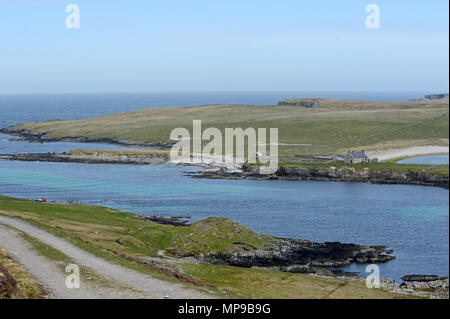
x=331, y=128
x=28, y=288
x=97, y=228
x=121, y=232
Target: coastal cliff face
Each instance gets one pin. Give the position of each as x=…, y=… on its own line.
x=248, y=248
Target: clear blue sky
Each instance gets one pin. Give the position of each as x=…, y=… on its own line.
x=246, y=45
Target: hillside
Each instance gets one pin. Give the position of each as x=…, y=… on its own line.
x=149, y=248
x=329, y=127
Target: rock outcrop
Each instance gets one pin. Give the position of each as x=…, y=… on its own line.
x=174, y=221
x=24, y=135
x=423, y=278
x=332, y=173
x=426, y=284
x=100, y=157
x=8, y=285
x=212, y=171
x=300, y=256
x=431, y=286
x=351, y=174
x=305, y=102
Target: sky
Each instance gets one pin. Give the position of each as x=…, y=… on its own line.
x=245, y=45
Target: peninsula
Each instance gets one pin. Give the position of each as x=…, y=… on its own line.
x=207, y=258
x=329, y=127
x=313, y=135
x=320, y=139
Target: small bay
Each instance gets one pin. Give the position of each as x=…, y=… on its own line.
x=411, y=220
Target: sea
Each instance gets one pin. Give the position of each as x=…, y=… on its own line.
x=411, y=220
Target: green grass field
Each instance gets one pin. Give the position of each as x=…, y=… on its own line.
x=100, y=230
x=331, y=128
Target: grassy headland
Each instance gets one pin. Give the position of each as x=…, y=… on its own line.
x=109, y=229
x=330, y=127
x=112, y=235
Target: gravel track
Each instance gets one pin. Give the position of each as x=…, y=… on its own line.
x=53, y=279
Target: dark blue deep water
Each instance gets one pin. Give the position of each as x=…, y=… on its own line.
x=412, y=220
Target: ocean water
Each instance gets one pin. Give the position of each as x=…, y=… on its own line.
x=430, y=159
x=43, y=107
x=412, y=220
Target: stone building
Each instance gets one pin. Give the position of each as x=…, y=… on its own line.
x=356, y=157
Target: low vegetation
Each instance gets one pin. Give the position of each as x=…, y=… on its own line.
x=264, y=283
x=27, y=287
x=109, y=233
x=106, y=228
x=441, y=170
x=332, y=127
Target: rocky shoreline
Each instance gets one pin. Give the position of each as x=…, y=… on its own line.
x=305, y=257
x=332, y=173
x=26, y=136
x=217, y=171
x=432, y=287
x=301, y=256
x=92, y=158
x=284, y=254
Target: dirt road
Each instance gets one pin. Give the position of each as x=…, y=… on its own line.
x=53, y=279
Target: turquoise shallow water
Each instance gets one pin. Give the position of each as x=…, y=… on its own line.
x=412, y=220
